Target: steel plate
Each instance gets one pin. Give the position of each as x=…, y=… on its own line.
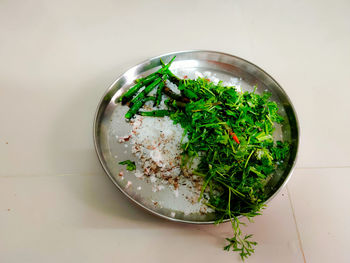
x=109, y=122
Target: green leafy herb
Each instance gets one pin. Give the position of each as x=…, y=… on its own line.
x=235, y=131
x=130, y=166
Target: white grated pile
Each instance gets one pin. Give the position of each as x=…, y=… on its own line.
x=156, y=142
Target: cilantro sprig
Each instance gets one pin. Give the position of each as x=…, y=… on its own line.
x=130, y=166
x=235, y=131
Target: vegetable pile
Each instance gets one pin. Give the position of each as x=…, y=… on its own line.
x=232, y=134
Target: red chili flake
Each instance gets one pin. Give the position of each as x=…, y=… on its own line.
x=234, y=136
x=185, y=77
x=127, y=138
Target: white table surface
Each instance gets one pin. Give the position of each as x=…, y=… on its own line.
x=58, y=57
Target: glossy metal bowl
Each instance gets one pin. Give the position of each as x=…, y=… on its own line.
x=110, y=122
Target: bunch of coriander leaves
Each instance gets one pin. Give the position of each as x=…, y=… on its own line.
x=231, y=132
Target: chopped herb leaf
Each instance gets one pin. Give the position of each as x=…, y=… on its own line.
x=130, y=166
